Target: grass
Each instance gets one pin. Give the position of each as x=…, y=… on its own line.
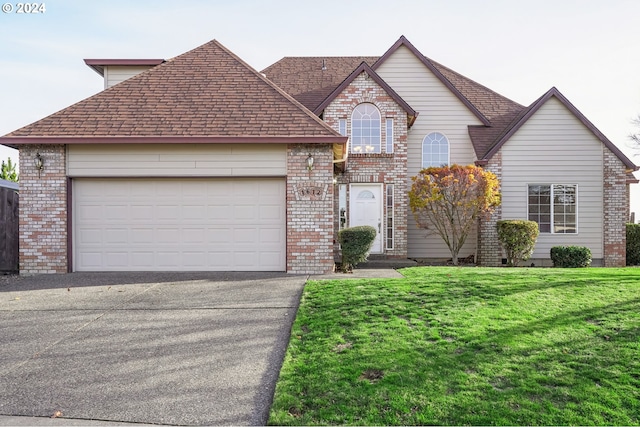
x=466, y=346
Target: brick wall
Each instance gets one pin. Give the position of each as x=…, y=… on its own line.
x=385, y=168
x=310, y=209
x=489, y=249
x=43, y=210
x=616, y=210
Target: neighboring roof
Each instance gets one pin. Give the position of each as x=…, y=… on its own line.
x=205, y=95
x=98, y=64
x=9, y=184
x=311, y=79
x=522, y=118
x=364, y=68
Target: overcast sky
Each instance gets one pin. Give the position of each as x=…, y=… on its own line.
x=589, y=50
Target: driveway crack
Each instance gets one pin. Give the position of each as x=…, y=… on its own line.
x=75, y=331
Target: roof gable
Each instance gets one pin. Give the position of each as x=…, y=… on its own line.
x=311, y=79
x=207, y=92
x=364, y=68
x=527, y=113
x=402, y=41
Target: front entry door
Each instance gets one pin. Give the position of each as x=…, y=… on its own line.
x=366, y=209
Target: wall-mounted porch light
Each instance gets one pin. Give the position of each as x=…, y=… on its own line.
x=38, y=162
x=309, y=162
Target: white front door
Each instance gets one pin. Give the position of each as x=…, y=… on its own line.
x=366, y=209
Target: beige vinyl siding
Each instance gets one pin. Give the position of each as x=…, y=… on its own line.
x=566, y=152
x=114, y=74
x=439, y=111
x=178, y=160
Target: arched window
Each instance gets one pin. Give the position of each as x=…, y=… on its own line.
x=365, y=129
x=435, y=150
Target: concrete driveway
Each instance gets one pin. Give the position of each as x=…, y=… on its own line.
x=154, y=348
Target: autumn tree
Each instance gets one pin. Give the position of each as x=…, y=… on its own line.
x=448, y=200
x=635, y=137
x=8, y=171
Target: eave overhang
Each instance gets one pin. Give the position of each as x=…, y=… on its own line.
x=16, y=141
x=365, y=68
x=98, y=65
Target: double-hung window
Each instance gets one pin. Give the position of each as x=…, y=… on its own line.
x=554, y=207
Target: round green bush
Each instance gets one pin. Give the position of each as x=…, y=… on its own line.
x=518, y=239
x=355, y=243
x=571, y=256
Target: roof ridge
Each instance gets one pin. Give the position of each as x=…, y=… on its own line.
x=276, y=88
x=529, y=111
x=206, y=92
x=439, y=65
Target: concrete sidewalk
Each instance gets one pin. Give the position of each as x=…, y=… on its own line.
x=154, y=348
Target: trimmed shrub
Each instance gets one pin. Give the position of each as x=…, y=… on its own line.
x=570, y=256
x=355, y=243
x=518, y=239
x=633, y=244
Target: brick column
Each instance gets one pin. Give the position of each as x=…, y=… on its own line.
x=489, y=249
x=616, y=211
x=43, y=210
x=309, y=209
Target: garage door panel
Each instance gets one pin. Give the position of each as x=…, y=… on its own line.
x=141, y=259
x=139, y=213
x=117, y=259
x=115, y=236
x=179, y=224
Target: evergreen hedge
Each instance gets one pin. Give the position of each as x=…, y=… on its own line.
x=571, y=256
x=518, y=239
x=355, y=243
x=633, y=244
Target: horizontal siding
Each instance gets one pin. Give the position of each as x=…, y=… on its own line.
x=427, y=244
x=439, y=111
x=554, y=147
x=176, y=160
x=114, y=74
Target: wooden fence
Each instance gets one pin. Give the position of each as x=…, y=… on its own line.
x=9, y=228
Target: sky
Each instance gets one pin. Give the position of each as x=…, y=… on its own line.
x=588, y=49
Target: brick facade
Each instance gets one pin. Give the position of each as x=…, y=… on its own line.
x=383, y=168
x=310, y=209
x=616, y=210
x=489, y=249
x=43, y=211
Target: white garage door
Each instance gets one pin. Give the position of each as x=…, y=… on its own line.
x=186, y=224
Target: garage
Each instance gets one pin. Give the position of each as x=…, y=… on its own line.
x=179, y=224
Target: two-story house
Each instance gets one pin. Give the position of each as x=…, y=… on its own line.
x=201, y=163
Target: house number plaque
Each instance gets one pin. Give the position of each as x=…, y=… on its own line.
x=311, y=191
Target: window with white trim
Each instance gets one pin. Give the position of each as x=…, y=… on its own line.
x=554, y=207
x=389, y=216
x=365, y=129
x=342, y=206
x=389, y=132
x=342, y=127
x=435, y=150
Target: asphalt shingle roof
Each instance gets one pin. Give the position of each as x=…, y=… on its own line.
x=206, y=92
x=305, y=79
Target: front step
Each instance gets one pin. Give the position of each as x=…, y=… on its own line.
x=395, y=263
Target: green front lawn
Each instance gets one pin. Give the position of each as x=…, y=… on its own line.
x=474, y=346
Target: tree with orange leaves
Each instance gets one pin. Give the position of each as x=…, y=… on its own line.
x=448, y=200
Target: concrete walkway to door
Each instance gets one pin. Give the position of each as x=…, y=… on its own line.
x=151, y=348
